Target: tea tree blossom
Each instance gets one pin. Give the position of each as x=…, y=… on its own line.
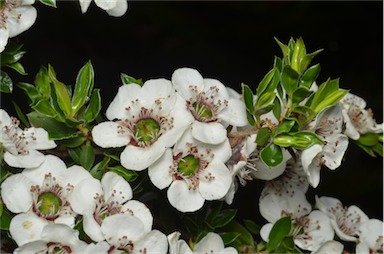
x=211, y=243
x=16, y=16
x=128, y=234
x=310, y=229
x=55, y=238
x=97, y=200
x=115, y=8
x=371, y=237
x=194, y=172
x=328, y=125
x=208, y=101
x=358, y=120
x=150, y=119
x=21, y=145
x=39, y=196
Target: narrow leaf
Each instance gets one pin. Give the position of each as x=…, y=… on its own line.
x=248, y=97
x=94, y=106
x=289, y=79
x=87, y=156
x=309, y=76
x=84, y=84
x=279, y=231
x=6, y=85
x=263, y=136
x=63, y=98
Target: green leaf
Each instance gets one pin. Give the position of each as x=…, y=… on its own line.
x=261, y=111
x=286, y=51
x=55, y=129
x=94, y=106
x=191, y=226
x=72, y=142
x=298, y=54
x=98, y=170
x=83, y=87
x=128, y=175
x=229, y=237
x=50, y=3
x=63, y=98
x=378, y=148
x=309, y=76
x=330, y=100
x=308, y=58
x=75, y=155
x=6, y=85
x=300, y=94
x=284, y=127
x=214, y=212
x=12, y=54
x=277, y=63
x=245, y=237
x=265, y=99
x=248, y=98
x=5, y=219
x=44, y=107
x=272, y=155
x=279, y=231
x=126, y=80
x=223, y=218
x=368, y=139
x=276, y=108
x=305, y=139
x=252, y=226
x=87, y=156
x=263, y=136
x=17, y=67
x=283, y=140
x=20, y=115
x=324, y=90
x=289, y=79
x=43, y=83
x=30, y=90
x=265, y=82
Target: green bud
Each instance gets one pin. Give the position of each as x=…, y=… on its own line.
x=368, y=139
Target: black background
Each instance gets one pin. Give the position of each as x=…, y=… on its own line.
x=230, y=41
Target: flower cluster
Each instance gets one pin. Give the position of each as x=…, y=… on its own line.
x=69, y=177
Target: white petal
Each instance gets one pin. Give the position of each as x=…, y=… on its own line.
x=310, y=159
x=26, y=227
x=107, y=135
x=371, y=233
x=84, y=4
x=73, y=175
x=229, y=250
x=152, y=242
x=42, y=141
x=119, y=10
x=210, y=133
x=91, y=227
x=38, y=246
x=66, y=219
x=116, y=226
x=177, y=246
x=183, y=78
x=51, y=165
x=350, y=130
x=125, y=95
x=23, y=22
x=60, y=233
x=334, y=150
x=4, y=35
x=140, y=158
x=183, y=199
x=330, y=247
x=16, y=194
x=106, y=4
x=116, y=188
x=82, y=196
x=219, y=186
x=235, y=114
x=211, y=243
x=265, y=230
x=140, y=211
x=31, y=160
x=157, y=89
x=158, y=172
x=222, y=92
x=99, y=248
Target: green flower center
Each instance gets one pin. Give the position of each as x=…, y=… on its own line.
x=146, y=130
x=202, y=110
x=50, y=203
x=188, y=165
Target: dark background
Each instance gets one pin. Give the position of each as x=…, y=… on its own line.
x=230, y=41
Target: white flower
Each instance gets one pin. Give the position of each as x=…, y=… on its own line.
x=39, y=196
x=345, y=220
x=128, y=234
x=330, y=247
x=97, y=200
x=16, y=16
x=358, y=120
x=56, y=238
x=115, y=8
x=370, y=237
x=328, y=125
x=21, y=145
x=309, y=229
x=210, y=104
x=195, y=172
x=151, y=118
x=211, y=243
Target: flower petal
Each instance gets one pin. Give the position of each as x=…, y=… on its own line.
x=116, y=188
x=210, y=133
x=330, y=247
x=310, y=159
x=84, y=4
x=107, y=135
x=157, y=89
x=42, y=141
x=183, y=78
x=140, y=211
x=183, y=199
x=38, y=246
x=177, y=246
x=106, y=4
x=211, y=243
x=25, y=17
x=16, y=193
x=219, y=186
x=235, y=113
x=124, y=97
x=334, y=150
x=119, y=10
x=371, y=233
x=152, y=242
x=31, y=160
x=119, y=225
x=51, y=165
x=73, y=175
x=83, y=194
x=158, y=172
x=91, y=227
x=60, y=233
x=26, y=227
